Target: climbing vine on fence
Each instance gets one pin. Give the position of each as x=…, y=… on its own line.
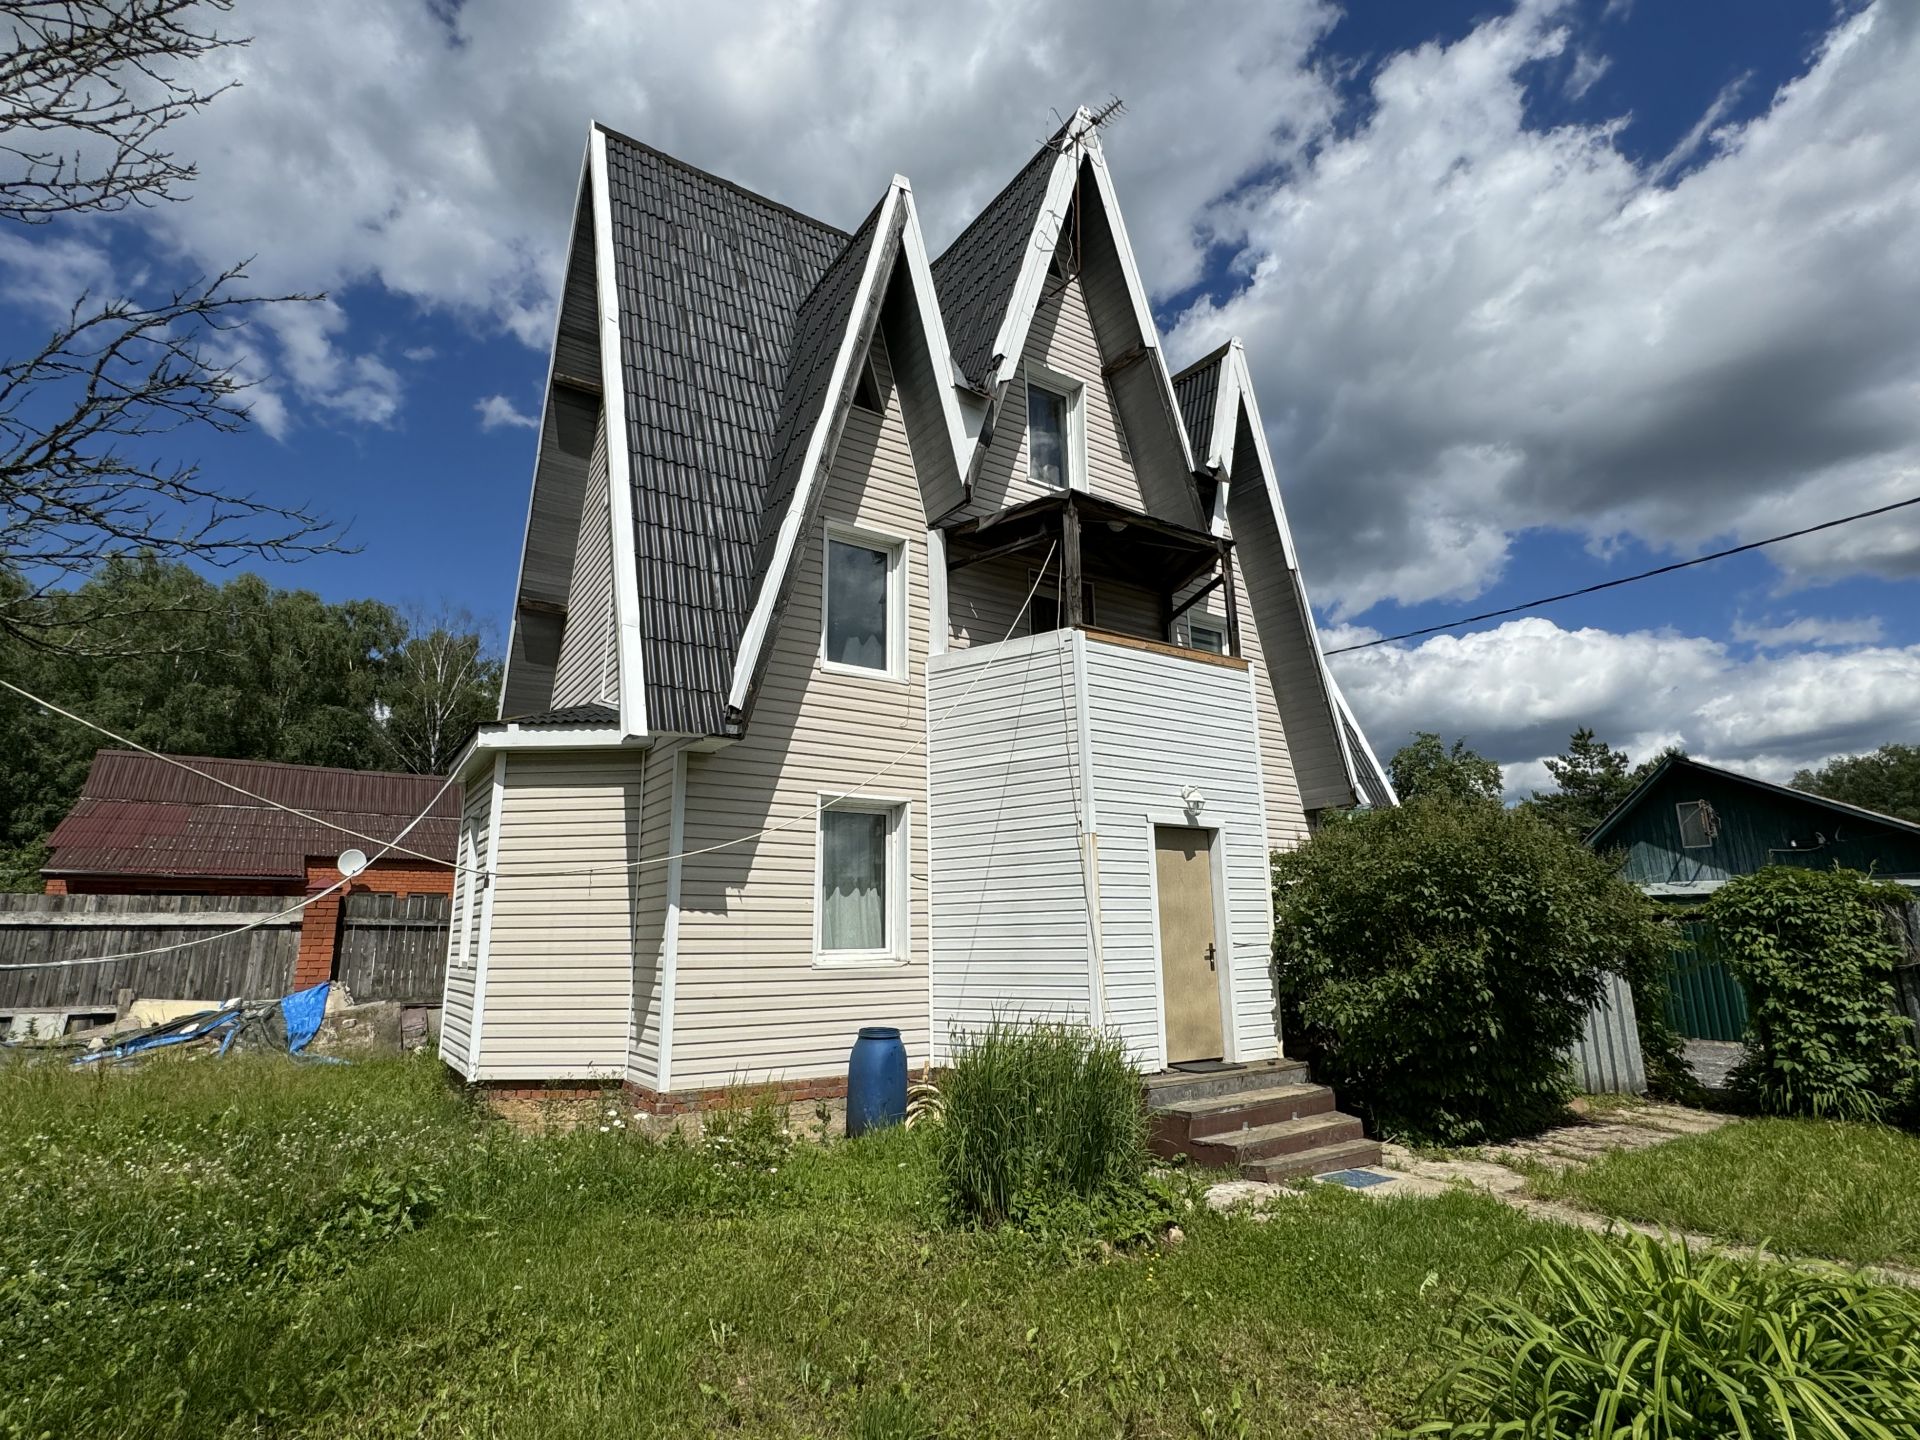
x=1815, y=953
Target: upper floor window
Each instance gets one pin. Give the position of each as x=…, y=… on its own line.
x=1698, y=824
x=1209, y=635
x=1056, y=439
x=863, y=628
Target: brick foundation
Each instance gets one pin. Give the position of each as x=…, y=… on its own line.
x=655, y=1102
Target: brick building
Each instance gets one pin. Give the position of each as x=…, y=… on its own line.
x=144, y=827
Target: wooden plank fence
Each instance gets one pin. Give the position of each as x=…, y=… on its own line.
x=389, y=949
x=393, y=948
x=253, y=964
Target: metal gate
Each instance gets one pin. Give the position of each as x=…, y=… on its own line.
x=1704, y=1001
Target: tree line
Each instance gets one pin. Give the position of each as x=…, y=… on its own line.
x=1591, y=778
x=154, y=650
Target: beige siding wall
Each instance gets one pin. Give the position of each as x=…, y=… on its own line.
x=560, y=959
x=588, y=666
x=1273, y=600
x=1286, y=819
x=1061, y=339
x=983, y=599
x=650, y=914
x=463, y=921
x=750, y=1002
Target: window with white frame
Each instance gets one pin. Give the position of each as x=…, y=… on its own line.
x=1208, y=634
x=861, y=890
x=1056, y=439
x=863, y=627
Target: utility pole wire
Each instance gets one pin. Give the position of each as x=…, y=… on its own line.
x=1623, y=580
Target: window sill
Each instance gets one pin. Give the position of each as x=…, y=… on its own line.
x=858, y=960
x=860, y=672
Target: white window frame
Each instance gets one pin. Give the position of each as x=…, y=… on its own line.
x=466, y=951
x=1074, y=392
x=899, y=811
x=896, y=548
x=1208, y=621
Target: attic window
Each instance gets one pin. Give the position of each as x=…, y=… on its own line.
x=1698, y=824
x=866, y=390
x=1056, y=430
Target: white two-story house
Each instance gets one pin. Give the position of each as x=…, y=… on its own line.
x=897, y=642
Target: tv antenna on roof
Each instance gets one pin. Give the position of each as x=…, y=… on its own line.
x=1112, y=110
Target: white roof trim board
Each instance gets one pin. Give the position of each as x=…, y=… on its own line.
x=626, y=572
x=926, y=298
x=1236, y=391
x=753, y=639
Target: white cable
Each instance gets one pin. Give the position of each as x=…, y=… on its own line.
x=859, y=785
x=240, y=929
x=180, y=764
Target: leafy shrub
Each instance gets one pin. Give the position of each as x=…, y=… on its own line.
x=1649, y=1339
x=1812, y=950
x=1436, y=961
x=1043, y=1127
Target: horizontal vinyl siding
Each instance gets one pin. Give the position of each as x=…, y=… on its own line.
x=1160, y=724
x=1286, y=817
x=1062, y=340
x=1298, y=684
x=1009, y=903
x=587, y=669
x=559, y=965
x=650, y=915
x=983, y=599
x=750, y=1004
x=456, y=1015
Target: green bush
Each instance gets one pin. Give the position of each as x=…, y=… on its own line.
x=1042, y=1126
x=1813, y=952
x=1649, y=1339
x=1436, y=961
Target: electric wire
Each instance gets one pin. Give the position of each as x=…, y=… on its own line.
x=1622, y=580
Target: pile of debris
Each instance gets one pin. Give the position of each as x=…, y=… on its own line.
x=320, y=1021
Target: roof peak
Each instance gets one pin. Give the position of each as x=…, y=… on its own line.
x=721, y=180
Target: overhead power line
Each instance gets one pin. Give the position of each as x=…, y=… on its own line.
x=1623, y=580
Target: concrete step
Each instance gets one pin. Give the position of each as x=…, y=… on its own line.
x=1174, y=1086
x=1240, y=1148
x=1322, y=1160
x=1218, y=1114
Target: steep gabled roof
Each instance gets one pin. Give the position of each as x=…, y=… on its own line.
x=1683, y=762
x=975, y=275
x=1217, y=406
x=138, y=815
x=713, y=285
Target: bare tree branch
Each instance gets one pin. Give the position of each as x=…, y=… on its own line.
x=80, y=479
x=86, y=88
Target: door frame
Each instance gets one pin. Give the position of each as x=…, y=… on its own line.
x=1216, y=833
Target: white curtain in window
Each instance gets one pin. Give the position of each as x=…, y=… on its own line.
x=853, y=880
x=1047, y=436
x=857, y=605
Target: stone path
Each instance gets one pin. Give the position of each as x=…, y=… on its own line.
x=1711, y=1060
x=1501, y=1172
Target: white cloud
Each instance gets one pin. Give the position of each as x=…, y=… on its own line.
x=1810, y=630
x=434, y=150
x=1517, y=691
x=497, y=411
x=1463, y=327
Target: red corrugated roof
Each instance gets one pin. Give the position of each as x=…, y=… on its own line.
x=140, y=816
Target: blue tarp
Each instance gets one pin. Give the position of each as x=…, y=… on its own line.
x=303, y=1011
x=298, y=1018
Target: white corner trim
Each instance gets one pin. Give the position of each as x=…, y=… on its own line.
x=1089, y=830
x=626, y=574
x=1011, y=342
x=670, y=934
x=581, y=197
x=1336, y=702
x=1136, y=289
x=1226, y=410
x=939, y=612
x=934, y=326
x=486, y=918
x=754, y=638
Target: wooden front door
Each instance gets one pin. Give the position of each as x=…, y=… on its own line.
x=1189, y=952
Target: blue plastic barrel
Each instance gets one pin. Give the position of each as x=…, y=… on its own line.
x=876, y=1080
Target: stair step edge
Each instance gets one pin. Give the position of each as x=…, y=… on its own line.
x=1240, y=1099
x=1322, y=1160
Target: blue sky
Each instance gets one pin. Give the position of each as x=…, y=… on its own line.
x=1534, y=296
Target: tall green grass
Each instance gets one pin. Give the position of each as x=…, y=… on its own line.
x=1036, y=1114
x=1651, y=1340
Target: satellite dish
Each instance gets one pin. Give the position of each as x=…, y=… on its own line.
x=351, y=862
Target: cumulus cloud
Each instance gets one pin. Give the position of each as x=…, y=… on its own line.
x=497, y=411
x=1517, y=691
x=1464, y=327
x=434, y=150
x=1810, y=630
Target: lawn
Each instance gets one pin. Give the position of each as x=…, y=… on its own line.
x=1805, y=1187
x=254, y=1247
